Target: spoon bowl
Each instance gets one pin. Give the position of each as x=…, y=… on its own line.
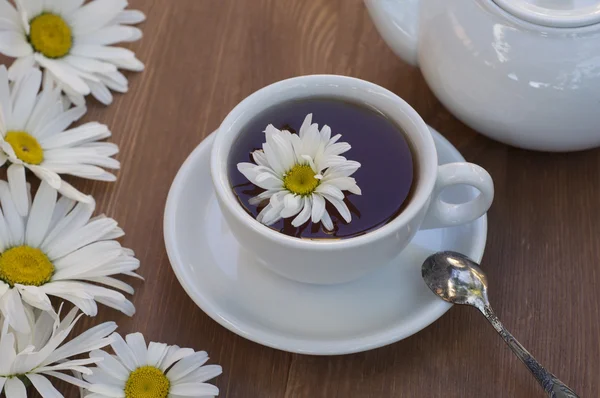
x=455, y=278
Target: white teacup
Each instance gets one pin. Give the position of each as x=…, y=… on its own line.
x=336, y=261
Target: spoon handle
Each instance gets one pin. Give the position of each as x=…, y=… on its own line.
x=550, y=383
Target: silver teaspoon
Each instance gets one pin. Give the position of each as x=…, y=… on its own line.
x=459, y=280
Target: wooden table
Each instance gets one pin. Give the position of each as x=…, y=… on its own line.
x=204, y=56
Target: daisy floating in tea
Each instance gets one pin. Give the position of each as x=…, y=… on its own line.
x=300, y=173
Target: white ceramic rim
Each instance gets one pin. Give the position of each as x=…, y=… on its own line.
x=530, y=12
x=344, y=87
x=277, y=341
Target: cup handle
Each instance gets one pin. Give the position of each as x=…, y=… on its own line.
x=442, y=214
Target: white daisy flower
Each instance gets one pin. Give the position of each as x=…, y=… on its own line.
x=32, y=357
x=73, y=42
x=155, y=371
x=34, y=135
x=300, y=173
x=58, y=250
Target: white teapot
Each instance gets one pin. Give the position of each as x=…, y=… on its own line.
x=523, y=72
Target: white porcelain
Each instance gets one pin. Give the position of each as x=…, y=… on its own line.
x=329, y=261
x=523, y=72
x=227, y=283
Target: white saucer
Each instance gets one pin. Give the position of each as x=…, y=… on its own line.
x=225, y=282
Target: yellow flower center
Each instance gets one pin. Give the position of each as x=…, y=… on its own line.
x=147, y=382
x=50, y=35
x=25, y=265
x=300, y=180
x=26, y=147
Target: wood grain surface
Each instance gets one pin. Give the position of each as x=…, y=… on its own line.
x=204, y=56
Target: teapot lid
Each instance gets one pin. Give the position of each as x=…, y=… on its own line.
x=554, y=13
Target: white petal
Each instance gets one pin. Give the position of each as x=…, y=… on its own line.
x=115, y=81
x=292, y=205
x=10, y=152
x=61, y=122
x=101, y=93
x=48, y=107
x=111, y=365
x=20, y=66
x=202, y=374
x=13, y=220
x=13, y=311
x=8, y=24
x=69, y=379
x=73, y=364
x=345, y=169
x=113, y=299
x=260, y=176
x=304, y=215
x=194, y=389
x=62, y=208
x=268, y=181
x=73, y=292
x=138, y=346
x=80, y=262
x=340, y=206
x=326, y=133
x=326, y=221
x=95, y=338
x=269, y=215
x=93, y=231
x=5, y=102
x=14, y=388
x=318, y=208
x=327, y=189
x=186, y=366
x=68, y=6
x=102, y=52
x=345, y=184
x=174, y=354
x=76, y=219
x=43, y=386
x=87, y=132
x=105, y=390
x=260, y=158
x=8, y=11
x=18, y=188
x=35, y=297
x=95, y=14
x=156, y=353
x=25, y=97
x=50, y=177
x=130, y=63
x=41, y=214
x=129, y=17
x=337, y=149
x=111, y=35
x=90, y=64
x=305, y=125
x=124, y=352
x=273, y=158
x=33, y=8
x=6, y=239
x=14, y=44
x=7, y=351
x=68, y=159
x=66, y=74
x=258, y=199
x=69, y=191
